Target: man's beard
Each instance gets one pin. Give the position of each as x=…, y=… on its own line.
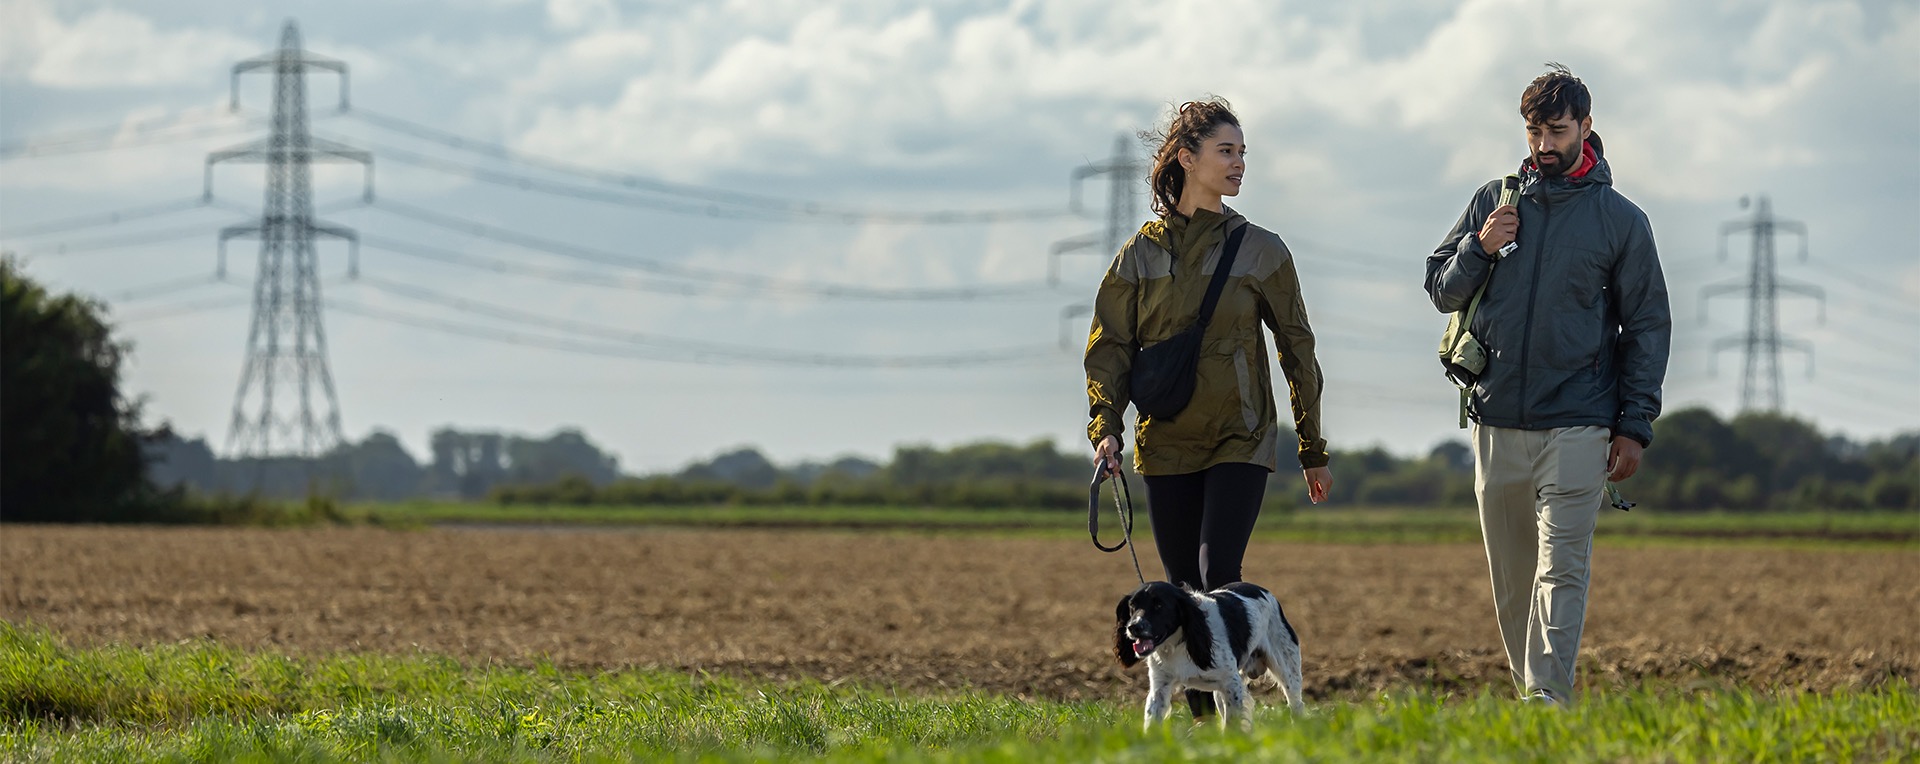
x=1567, y=160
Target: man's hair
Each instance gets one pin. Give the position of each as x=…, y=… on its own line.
x=1553, y=94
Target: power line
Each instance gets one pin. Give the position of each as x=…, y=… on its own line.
x=169, y=286
x=122, y=241
x=770, y=207
x=1888, y=302
x=705, y=351
x=151, y=124
x=115, y=217
x=1871, y=285
x=513, y=268
x=34, y=148
x=1357, y=258
x=1882, y=312
x=744, y=280
x=712, y=209
x=186, y=308
x=1863, y=394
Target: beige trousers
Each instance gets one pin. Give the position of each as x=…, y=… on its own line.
x=1540, y=493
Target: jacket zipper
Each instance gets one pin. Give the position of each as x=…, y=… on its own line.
x=1533, y=291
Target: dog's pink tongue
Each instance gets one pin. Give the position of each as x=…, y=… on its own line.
x=1142, y=647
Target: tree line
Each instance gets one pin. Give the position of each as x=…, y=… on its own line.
x=74, y=449
x=1751, y=462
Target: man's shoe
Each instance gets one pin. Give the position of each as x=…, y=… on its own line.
x=1542, y=698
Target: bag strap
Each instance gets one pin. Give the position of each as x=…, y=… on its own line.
x=1466, y=322
x=1220, y=273
x=1510, y=194
x=1466, y=326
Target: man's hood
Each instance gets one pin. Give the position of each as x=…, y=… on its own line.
x=1533, y=182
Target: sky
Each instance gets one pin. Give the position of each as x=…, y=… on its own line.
x=1369, y=125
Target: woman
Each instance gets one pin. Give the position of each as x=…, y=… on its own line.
x=1206, y=467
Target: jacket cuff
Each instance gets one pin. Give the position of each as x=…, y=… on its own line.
x=1312, y=459
x=1106, y=422
x=1638, y=429
x=1471, y=243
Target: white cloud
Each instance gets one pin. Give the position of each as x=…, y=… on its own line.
x=581, y=14
x=837, y=86
x=108, y=47
x=1369, y=122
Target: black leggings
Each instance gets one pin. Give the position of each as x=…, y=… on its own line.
x=1201, y=521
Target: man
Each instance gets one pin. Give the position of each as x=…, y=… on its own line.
x=1575, y=326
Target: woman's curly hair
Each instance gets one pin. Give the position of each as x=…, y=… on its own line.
x=1191, y=125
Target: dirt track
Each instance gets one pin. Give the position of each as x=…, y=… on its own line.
x=1022, y=615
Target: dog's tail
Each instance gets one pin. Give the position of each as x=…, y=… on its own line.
x=1284, y=627
x=1285, y=669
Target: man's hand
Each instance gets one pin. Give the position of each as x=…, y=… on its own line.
x=1623, y=459
x=1319, y=481
x=1502, y=225
x=1109, y=450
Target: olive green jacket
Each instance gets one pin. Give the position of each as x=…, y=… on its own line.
x=1150, y=294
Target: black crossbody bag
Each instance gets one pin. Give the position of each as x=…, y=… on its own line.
x=1163, y=374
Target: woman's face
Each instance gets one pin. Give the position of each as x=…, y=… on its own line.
x=1217, y=167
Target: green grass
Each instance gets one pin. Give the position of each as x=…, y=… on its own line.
x=198, y=702
x=1319, y=524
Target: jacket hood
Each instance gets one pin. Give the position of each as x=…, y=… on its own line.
x=1160, y=231
x=1534, y=183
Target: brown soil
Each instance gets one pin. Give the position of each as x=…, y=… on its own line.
x=1023, y=615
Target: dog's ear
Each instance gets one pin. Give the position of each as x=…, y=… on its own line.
x=1193, y=621
x=1123, y=646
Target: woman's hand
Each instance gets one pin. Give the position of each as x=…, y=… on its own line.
x=1109, y=450
x=1319, y=481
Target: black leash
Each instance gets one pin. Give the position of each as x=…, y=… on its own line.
x=1124, y=509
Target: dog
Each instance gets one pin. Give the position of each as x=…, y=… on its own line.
x=1217, y=641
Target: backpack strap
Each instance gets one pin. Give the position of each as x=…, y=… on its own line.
x=1466, y=325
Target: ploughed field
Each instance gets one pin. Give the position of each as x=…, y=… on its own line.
x=1023, y=615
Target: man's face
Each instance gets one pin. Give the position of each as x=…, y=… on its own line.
x=1555, y=143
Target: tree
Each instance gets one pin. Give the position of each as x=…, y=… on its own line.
x=744, y=466
x=69, y=440
x=567, y=452
x=378, y=468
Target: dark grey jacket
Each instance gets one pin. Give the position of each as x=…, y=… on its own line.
x=1575, y=321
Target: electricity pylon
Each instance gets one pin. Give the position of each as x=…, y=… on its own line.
x=1125, y=175
x=1761, y=388
x=287, y=343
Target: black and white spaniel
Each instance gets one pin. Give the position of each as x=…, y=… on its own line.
x=1215, y=641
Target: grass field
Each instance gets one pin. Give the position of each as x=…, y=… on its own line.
x=199, y=702
x=1329, y=524
x=1024, y=614
x=638, y=642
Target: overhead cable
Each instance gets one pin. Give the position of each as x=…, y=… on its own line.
x=711, y=275
x=116, y=139
x=697, y=351
x=747, y=203
x=115, y=217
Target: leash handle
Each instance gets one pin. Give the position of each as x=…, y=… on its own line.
x=1093, y=510
x=1122, y=505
